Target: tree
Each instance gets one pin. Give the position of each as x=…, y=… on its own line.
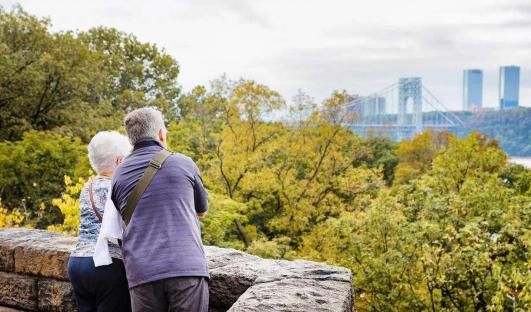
x=13, y=218
x=245, y=140
x=77, y=84
x=68, y=204
x=32, y=172
x=455, y=238
x=44, y=77
x=301, y=110
x=135, y=74
x=313, y=171
x=415, y=155
x=381, y=153
x=471, y=228
x=218, y=224
x=518, y=178
x=200, y=122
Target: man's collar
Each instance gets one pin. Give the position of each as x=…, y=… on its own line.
x=146, y=143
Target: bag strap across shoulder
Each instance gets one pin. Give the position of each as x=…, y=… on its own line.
x=154, y=165
x=91, y=199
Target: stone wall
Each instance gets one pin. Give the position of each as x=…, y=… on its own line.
x=33, y=277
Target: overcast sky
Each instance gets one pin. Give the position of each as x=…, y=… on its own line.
x=320, y=46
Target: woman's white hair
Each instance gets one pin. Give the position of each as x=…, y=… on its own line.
x=105, y=147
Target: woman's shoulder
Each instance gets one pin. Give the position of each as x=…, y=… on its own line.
x=99, y=182
x=99, y=187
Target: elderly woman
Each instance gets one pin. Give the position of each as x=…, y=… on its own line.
x=99, y=288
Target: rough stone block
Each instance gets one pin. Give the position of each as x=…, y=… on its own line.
x=56, y=296
x=219, y=257
x=7, y=257
x=225, y=286
x=38, y=261
x=296, y=295
x=37, y=252
x=231, y=278
x=7, y=252
x=18, y=291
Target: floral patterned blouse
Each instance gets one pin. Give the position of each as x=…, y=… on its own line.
x=89, y=224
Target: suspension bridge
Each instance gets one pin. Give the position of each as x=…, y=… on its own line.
x=400, y=111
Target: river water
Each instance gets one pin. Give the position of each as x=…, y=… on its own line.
x=526, y=161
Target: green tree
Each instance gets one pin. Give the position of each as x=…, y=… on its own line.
x=218, y=224
x=472, y=224
x=415, y=156
x=77, y=84
x=381, y=153
x=518, y=178
x=455, y=238
x=200, y=121
x=32, y=172
x=135, y=74
x=44, y=77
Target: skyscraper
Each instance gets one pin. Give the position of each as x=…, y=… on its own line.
x=509, y=86
x=472, y=89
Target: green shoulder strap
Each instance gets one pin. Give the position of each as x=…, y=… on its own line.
x=154, y=165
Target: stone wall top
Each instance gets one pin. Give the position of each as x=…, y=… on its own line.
x=37, y=260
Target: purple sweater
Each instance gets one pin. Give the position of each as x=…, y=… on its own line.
x=163, y=239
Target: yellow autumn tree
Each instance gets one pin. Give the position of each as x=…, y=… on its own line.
x=68, y=203
x=13, y=218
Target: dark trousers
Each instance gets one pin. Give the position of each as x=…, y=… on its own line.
x=177, y=294
x=99, y=289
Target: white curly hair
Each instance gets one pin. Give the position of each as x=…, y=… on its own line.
x=105, y=148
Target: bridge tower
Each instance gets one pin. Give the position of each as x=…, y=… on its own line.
x=409, y=120
x=400, y=111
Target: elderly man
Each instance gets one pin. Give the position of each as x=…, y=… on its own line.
x=160, y=196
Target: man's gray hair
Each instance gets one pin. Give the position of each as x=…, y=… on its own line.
x=143, y=123
x=104, y=148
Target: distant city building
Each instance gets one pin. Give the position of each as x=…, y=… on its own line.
x=353, y=105
x=364, y=106
x=380, y=105
x=373, y=105
x=472, y=89
x=509, y=86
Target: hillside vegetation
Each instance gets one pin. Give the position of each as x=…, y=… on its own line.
x=512, y=128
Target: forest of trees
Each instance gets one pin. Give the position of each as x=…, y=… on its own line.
x=512, y=128
x=435, y=223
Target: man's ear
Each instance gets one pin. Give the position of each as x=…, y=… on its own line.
x=162, y=137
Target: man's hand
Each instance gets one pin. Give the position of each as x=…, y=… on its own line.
x=201, y=214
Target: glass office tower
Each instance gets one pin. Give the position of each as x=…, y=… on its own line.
x=509, y=87
x=472, y=89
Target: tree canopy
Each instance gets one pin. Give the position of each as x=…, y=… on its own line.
x=58, y=80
